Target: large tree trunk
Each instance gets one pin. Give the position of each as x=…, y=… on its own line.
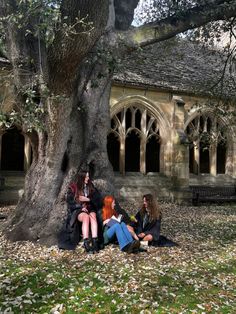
x=75, y=139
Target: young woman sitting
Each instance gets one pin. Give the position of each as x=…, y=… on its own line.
x=117, y=230
x=79, y=201
x=148, y=220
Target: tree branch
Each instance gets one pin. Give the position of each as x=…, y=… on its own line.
x=169, y=27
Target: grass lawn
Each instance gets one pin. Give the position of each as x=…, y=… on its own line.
x=198, y=276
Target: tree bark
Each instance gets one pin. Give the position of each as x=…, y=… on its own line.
x=75, y=139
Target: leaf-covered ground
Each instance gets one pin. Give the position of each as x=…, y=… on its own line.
x=198, y=276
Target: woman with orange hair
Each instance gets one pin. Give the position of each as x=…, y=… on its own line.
x=118, y=230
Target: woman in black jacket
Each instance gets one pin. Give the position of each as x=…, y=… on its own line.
x=148, y=220
x=83, y=208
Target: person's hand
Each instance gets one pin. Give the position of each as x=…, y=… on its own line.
x=84, y=209
x=133, y=219
x=106, y=221
x=141, y=235
x=130, y=228
x=84, y=198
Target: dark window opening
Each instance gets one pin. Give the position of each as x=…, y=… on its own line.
x=153, y=155
x=209, y=125
x=201, y=127
x=221, y=158
x=132, y=152
x=12, y=156
x=31, y=155
x=128, y=118
x=138, y=119
x=119, y=116
x=113, y=124
x=154, y=126
x=191, y=158
x=204, y=159
x=113, y=150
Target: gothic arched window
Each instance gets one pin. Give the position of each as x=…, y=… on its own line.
x=137, y=132
x=207, y=152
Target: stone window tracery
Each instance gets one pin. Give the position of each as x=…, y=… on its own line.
x=135, y=134
x=208, y=149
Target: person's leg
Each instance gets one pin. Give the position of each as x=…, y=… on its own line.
x=131, y=230
x=94, y=231
x=126, y=231
x=93, y=224
x=148, y=238
x=84, y=218
x=100, y=229
x=121, y=237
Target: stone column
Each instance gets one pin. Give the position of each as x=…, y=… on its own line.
x=180, y=160
x=142, y=155
x=233, y=159
x=213, y=159
x=162, y=156
x=122, y=155
x=229, y=163
x=196, y=166
x=166, y=158
x=143, y=142
x=27, y=154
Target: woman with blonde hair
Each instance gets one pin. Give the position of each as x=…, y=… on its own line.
x=118, y=230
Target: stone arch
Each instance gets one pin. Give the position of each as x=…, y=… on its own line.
x=143, y=102
x=146, y=122
x=211, y=149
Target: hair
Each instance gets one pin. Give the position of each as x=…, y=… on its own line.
x=80, y=182
x=154, y=210
x=107, y=210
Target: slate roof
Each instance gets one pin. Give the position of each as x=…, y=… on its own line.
x=177, y=65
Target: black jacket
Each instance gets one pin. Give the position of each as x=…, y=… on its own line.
x=70, y=235
x=152, y=227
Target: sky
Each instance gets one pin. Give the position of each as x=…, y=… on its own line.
x=141, y=6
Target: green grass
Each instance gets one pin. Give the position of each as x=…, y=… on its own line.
x=38, y=287
x=199, y=276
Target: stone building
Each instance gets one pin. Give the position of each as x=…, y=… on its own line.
x=162, y=102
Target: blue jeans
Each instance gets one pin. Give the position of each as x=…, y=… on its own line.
x=122, y=233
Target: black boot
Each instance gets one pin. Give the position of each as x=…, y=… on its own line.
x=95, y=244
x=87, y=246
x=132, y=247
